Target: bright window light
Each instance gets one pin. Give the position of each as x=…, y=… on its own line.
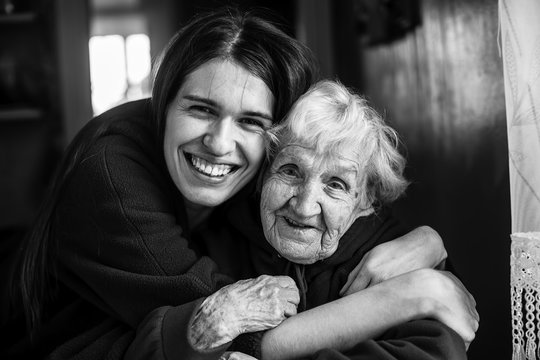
x=119, y=69
x=138, y=58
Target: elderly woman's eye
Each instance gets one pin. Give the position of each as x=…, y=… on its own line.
x=338, y=184
x=289, y=170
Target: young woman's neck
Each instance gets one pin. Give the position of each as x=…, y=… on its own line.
x=196, y=213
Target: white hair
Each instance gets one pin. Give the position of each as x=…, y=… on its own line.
x=330, y=117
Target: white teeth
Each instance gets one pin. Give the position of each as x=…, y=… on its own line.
x=210, y=169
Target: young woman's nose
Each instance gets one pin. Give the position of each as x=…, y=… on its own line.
x=219, y=138
x=306, y=202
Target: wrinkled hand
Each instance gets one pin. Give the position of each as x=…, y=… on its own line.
x=245, y=306
x=420, y=248
x=235, y=355
x=440, y=295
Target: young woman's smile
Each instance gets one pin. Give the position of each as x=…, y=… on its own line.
x=214, y=137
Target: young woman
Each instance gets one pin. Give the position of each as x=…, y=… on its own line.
x=118, y=237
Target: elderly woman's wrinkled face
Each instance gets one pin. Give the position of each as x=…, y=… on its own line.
x=309, y=201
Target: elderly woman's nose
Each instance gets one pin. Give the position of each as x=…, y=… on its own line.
x=306, y=201
x=220, y=137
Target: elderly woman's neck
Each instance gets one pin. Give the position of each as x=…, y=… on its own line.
x=197, y=213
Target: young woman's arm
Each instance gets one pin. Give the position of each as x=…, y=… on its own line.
x=365, y=315
x=420, y=248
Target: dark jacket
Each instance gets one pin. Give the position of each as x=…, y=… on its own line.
x=124, y=249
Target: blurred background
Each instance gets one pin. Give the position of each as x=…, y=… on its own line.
x=432, y=67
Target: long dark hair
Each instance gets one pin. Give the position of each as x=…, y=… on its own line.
x=285, y=65
x=247, y=38
x=32, y=282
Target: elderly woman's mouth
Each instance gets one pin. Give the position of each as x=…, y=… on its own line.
x=297, y=224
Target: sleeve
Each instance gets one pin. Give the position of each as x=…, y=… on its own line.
x=414, y=340
x=123, y=246
x=160, y=337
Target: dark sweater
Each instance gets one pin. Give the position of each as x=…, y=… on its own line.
x=124, y=250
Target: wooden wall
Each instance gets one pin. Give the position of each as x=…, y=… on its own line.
x=442, y=88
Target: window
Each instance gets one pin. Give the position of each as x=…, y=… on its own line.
x=119, y=69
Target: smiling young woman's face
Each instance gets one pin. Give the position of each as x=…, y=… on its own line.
x=214, y=143
x=310, y=200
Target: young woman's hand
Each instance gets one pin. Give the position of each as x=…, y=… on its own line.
x=454, y=305
x=245, y=306
x=439, y=295
x=420, y=248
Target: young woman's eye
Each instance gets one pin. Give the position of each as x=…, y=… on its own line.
x=201, y=110
x=289, y=170
x=252, y=123
x=338, y=184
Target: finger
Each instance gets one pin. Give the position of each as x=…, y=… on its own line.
x=352, y=277
x=473, y=300
x=476, y=326
x=286, y=281
x=361, y=282
x=476, y=316
x=290, y=310
x=225, y=356
x=290, y=295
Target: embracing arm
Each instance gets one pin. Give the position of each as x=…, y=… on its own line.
x=420, y=248
x=346, y=322
x=414, y=340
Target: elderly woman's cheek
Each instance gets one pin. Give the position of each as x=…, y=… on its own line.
x=329, y=245
x=338, y=220
x=268, y=196
x=275, y=194
x=272, y=199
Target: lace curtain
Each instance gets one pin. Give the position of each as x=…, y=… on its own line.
x=520, y=43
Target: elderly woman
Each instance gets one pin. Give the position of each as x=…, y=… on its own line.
x=322, y=207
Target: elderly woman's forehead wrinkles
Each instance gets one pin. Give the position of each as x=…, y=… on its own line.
x=292, y=149
x=345, y=155
x=340, y=167
x=288, y=155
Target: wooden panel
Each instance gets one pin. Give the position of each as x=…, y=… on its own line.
x=442, y=88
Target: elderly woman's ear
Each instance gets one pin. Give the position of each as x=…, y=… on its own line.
x=366, y=202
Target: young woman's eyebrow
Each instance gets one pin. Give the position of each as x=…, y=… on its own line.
x=201, y=99
x=212, y=103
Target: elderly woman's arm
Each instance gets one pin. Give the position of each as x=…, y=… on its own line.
x=364, y=315
x=420, y=248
